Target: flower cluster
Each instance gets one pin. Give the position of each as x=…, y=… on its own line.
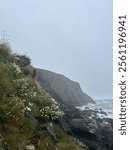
x=30, y=97
x=24, y=90
x=51, y=112
x=28, y=108
x=15, y=70
x=54, y=101
x=22, y=87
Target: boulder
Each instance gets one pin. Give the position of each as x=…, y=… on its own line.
x=30, y=147
x=50, y=129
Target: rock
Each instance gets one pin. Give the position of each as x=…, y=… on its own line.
x=103, y=112
x=65, y=126
x=83, y=125
x=96, y=133
x=30, y=147
x=80, y=144
x=96, y=109
x=67, y=90
x=50, y=129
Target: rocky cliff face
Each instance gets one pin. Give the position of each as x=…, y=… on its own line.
x=85, y=125
x=62, y=89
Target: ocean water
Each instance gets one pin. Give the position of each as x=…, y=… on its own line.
x=105, y=105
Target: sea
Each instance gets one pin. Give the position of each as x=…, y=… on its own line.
x=105, y=105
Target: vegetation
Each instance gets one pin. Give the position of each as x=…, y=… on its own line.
x=22, y=102
x=65, y=142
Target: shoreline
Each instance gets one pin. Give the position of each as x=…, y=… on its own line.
x=101, y=108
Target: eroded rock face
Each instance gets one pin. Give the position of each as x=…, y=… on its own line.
x=62, y=89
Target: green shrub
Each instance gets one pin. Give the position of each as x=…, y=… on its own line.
x=23, y=60
x=12, y=108
x=29, y=71
x=15, y=71
x=7, y=86
x=5, y=52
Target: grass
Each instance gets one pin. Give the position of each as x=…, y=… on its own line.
x=65, y=142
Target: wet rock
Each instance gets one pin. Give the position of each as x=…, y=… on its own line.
x=84, y=125
x=103, y=112
x=88, y=127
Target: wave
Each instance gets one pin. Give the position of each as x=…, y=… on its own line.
x=101, y=105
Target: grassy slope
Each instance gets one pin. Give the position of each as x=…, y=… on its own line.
x=21, y=97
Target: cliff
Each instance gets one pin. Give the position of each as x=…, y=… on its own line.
x=67, y=91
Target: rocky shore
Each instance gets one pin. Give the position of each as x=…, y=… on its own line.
x=87, y=126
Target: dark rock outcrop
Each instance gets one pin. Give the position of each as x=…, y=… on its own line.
x=65, y=125
x=62, y=89
x=88, y=127
x=95, y=132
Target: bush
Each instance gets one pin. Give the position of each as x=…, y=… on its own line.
x=51, y=112
x=5, y=52
x=23, y=60
x=12, y=108
x=29, y=71
x=7, y=86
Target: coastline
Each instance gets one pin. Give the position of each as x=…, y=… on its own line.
x=103, y=108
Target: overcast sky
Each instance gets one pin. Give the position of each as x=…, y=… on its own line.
x=70, y=37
